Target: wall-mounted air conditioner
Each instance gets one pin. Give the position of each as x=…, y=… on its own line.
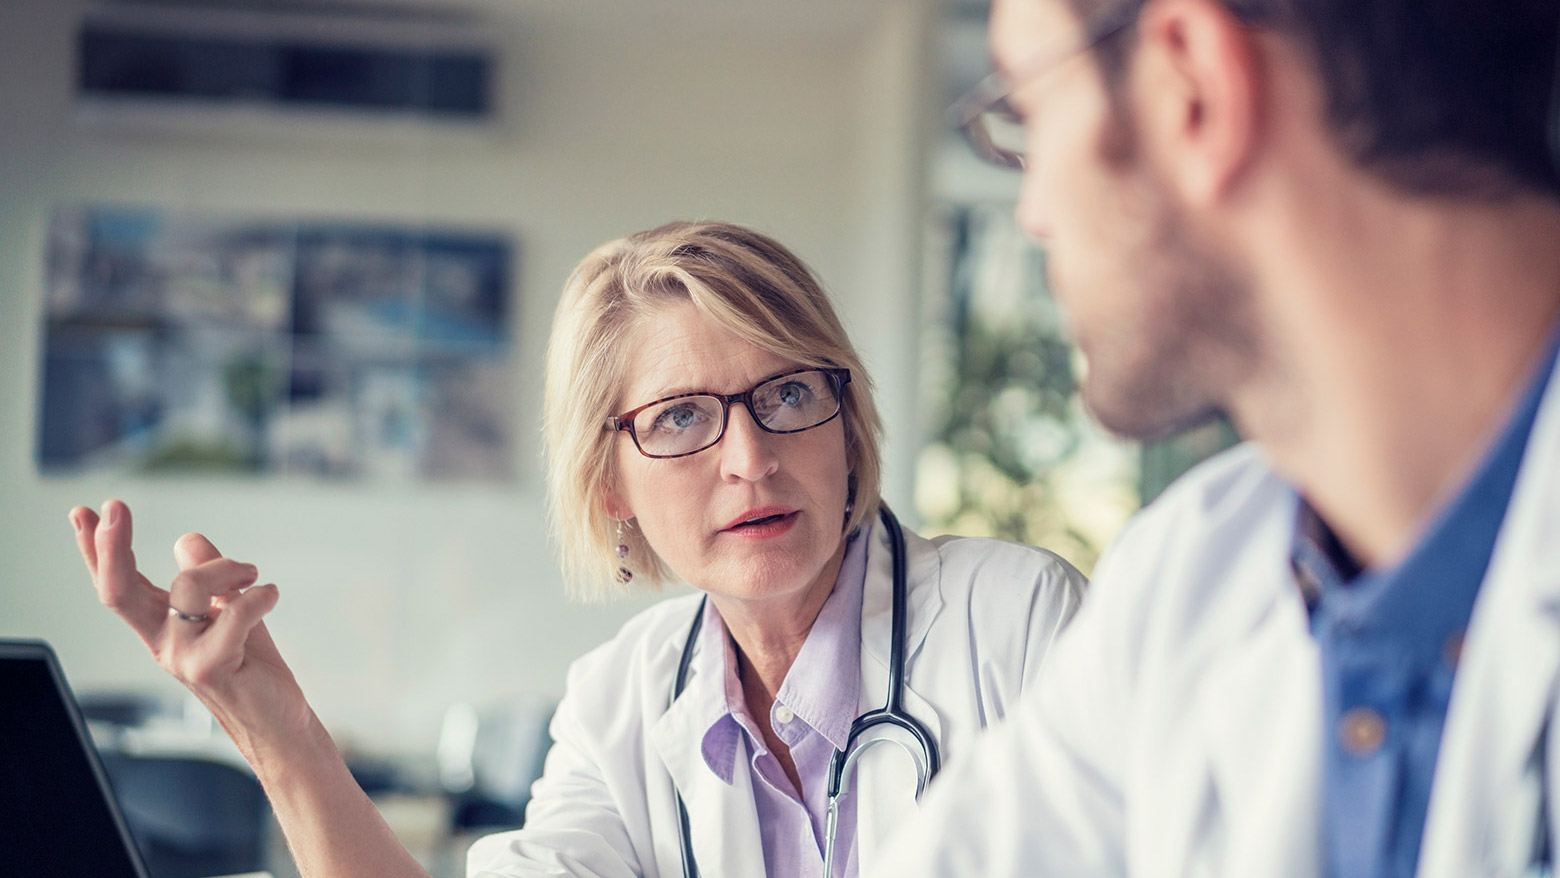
x=298, y=59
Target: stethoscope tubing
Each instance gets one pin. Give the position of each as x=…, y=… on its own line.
x=891, y=714
x=684, y=830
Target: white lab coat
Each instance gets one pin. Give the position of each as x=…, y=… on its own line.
x=982, y=616
x=1178, y=730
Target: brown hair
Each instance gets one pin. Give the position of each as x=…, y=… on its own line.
x=1444, y=97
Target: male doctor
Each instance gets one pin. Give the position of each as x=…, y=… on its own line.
x=1334, y=650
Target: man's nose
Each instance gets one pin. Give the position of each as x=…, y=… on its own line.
x=1032, y=213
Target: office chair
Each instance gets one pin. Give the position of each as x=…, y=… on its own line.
x=488, y=760
x=191, y=817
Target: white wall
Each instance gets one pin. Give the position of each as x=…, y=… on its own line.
x=800, y=118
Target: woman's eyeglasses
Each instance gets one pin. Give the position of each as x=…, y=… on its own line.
x=688, y=423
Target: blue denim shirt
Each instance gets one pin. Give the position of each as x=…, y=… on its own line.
x=1389, y=642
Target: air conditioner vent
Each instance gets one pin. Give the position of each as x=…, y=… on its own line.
x=323, y=64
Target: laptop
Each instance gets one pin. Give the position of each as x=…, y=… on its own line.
x=58, y=815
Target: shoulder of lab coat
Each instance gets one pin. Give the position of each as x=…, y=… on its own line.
x=982, y=616
x=589, y=813
x=1178, y=728
x=1501, y=727
x=1003, y=605
x=1130, y=705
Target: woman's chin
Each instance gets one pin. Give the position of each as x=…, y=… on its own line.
x=764, y=576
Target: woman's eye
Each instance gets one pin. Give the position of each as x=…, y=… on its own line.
x=792, y=393
x=679, y=417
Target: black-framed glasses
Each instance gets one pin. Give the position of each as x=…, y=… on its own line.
x=985, y=118
x=688, y=423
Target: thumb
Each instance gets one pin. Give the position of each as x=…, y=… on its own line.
x=192, y=550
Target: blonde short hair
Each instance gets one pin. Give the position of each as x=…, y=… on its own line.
x=746, y=282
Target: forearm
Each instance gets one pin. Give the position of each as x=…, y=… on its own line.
x=207, y=630
x=332, y=828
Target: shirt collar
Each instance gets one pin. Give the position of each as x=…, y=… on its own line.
x=1429, y=593
x=822, y=687
x=713, y=664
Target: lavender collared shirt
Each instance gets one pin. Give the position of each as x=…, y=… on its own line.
x=812, y=714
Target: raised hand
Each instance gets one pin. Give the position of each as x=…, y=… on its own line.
x=207, y=628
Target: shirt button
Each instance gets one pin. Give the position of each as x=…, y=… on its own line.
x=783, y=714
x=1362, y=731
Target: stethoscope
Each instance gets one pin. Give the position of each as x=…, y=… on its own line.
x=927, y=761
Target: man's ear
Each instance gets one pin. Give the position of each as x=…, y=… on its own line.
x=1198, y=94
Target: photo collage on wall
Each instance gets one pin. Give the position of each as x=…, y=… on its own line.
x=181, y=342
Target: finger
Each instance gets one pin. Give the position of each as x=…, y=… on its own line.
x=119, y=584
x=223, y=646
x=194, y=587
x=191, y=550
x=84, y=521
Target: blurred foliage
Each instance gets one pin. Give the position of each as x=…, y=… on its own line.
x=253, y=386
x=1009, y=420
x=1009, y=424
x=185, y=455
x=1011, y=452
x=1012, y=394
x=1164, y=461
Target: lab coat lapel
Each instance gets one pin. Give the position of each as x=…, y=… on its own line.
x=877, y=601
x=1484, y=804
x=1258, y=709
x=723, y=819
x=884, y=778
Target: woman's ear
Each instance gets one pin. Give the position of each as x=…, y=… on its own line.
x=613, y=504
x=614, y=507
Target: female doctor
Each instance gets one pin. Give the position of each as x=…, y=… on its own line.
x=707, y=419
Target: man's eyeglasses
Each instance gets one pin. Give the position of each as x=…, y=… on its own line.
x=983, y=114
x=688, y=423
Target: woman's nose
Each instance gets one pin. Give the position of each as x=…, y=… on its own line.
x=747, y=452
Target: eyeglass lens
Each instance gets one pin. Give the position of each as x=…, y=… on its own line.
x=994, y=130
x=786, y=404
x=997, y=136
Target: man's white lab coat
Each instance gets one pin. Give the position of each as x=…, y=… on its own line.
x=1177, y=730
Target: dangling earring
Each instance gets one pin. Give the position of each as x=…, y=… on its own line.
x=624, y=575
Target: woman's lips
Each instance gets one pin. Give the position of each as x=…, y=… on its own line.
x=763, y=523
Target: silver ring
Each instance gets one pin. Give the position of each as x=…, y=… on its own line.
x=186, y=617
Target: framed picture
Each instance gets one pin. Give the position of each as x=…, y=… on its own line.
x=193, y=342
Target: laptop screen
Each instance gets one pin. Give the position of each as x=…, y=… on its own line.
x=57, y=816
